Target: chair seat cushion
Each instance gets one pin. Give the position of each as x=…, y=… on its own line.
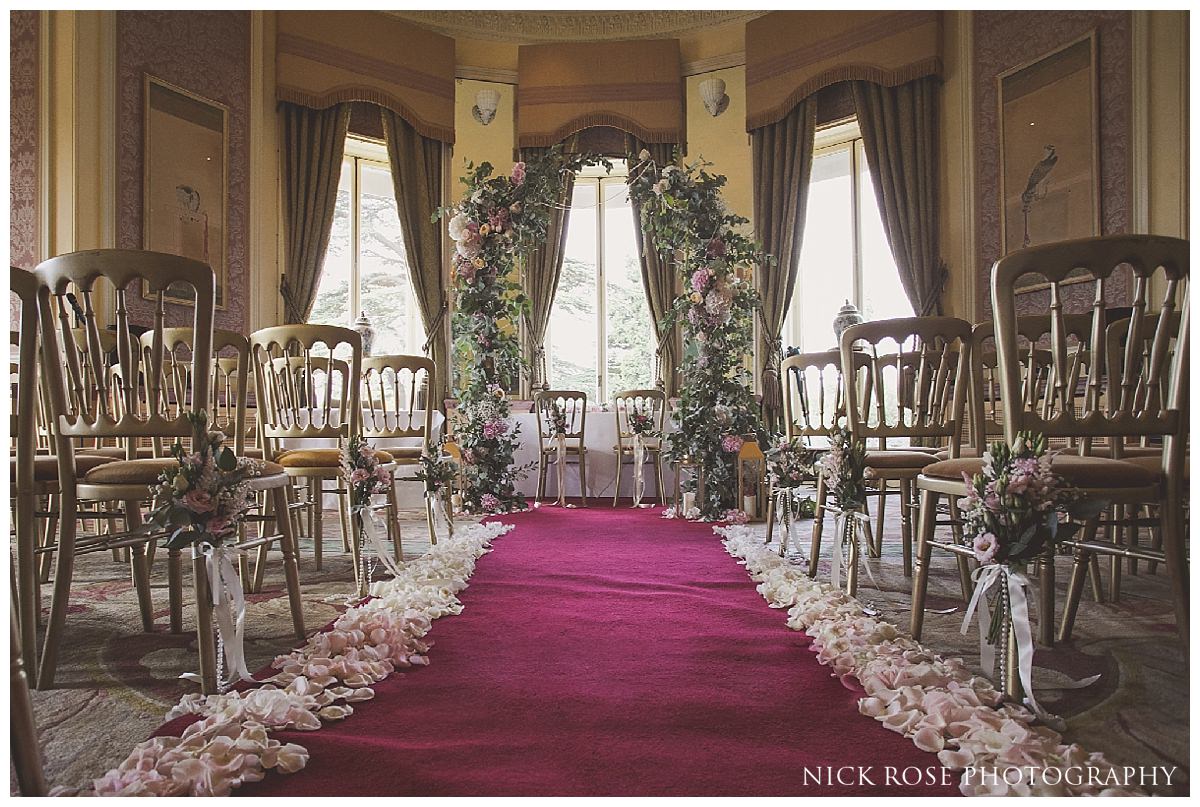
x=319, y=457
x=45, y=467
x=1128, y=452
x=145, y=472
x=900, y=458
x=1153, y=464
x=1082, y=472
x=402, y=452
x=963, y=451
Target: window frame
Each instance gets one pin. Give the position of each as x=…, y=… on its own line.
x=831, y=138
x=362, y=153
x=604, y=181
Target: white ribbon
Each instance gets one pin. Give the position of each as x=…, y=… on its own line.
x=228, y=611
x=639, y=457
x=840, y=522
x=371, y=530
x=1015, y=584
x=562, y=468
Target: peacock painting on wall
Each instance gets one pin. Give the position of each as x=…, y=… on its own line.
x=1049, y=150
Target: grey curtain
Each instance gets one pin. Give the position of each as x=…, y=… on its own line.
x=782, y=154
x=658, y=278
x=900, y=130
x=541, y=270
x=313, y=143
x=418, y=166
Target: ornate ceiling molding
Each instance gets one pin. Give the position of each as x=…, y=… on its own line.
x=528, y=27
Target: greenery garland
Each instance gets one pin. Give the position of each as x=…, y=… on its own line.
x=500, y=220
x=682, y=211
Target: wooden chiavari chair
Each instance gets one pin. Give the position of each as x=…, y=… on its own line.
x=393, y=387
x=814, y=402
x=310, y=396
x=26, y=752
x=82, y=410
x=922, y=368
x=228, y=391
x=986, y=420
x=33, y=468
x=573, y=405
x=651, y=402
x=1141, y=395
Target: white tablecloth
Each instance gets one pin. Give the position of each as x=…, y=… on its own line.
x=600, y=437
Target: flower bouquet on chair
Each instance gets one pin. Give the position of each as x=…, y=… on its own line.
x=1011, y=516
x=439, y=471
x=365, y=477
x=843, y=467
x=201, y=502
x=641, y=426
x=789, y=467
x=558, y=430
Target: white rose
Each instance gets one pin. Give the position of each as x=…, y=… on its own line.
x=644, y=154
x=458, y=227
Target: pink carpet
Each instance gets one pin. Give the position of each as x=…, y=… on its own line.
x=606, y=652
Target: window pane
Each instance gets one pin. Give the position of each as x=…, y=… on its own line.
x=385, y=288
x=571, y=342
x=630, y=339
x=883, y=295
x=826, y=277
x=332, y=303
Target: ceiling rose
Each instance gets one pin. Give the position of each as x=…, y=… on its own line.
x=526, y=27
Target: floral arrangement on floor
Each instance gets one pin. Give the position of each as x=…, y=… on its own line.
x=683, y=213
x=204, y=498
x=316, y=684
x=1011, y=516
x=934, y=701
x=500, y=219
x=440, y=472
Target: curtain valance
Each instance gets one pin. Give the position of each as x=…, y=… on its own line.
x=632, y=86
x=792, y=54
x=328, y=57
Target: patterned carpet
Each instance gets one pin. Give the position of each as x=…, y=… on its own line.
x=115, y=682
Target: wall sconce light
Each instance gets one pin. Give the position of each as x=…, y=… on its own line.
x=712, y=93
x=485, y=106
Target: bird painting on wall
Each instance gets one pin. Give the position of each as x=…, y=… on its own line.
x=1035, y=188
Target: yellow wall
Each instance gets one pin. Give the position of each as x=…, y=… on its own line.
x=723, y=140
x=492, y=143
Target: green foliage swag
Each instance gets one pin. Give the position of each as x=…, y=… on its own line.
x=682, y=211
x=500, y=220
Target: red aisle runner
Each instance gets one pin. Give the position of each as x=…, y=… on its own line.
x=607, y=652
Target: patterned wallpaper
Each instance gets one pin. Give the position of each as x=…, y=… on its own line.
x=23, y=134
x=208, y=53
x=1006, y=39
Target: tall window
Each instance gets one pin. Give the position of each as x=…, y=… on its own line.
x=601, y=338
x=845, y=253
x=366, y=270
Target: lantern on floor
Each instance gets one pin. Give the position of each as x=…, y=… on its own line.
x=751, y=478
x=460, y=483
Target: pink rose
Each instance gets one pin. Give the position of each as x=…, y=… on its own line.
x=359, y=475
x=517, y=175
x=198, y=501
x=985, y=547
x=732, y=444
x=489, y=503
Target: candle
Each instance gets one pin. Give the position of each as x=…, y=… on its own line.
x=689, y=501
x=750, y=505
x=456, y=502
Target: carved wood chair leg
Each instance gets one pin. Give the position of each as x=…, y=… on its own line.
x=818, y=526
x=291, y=565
